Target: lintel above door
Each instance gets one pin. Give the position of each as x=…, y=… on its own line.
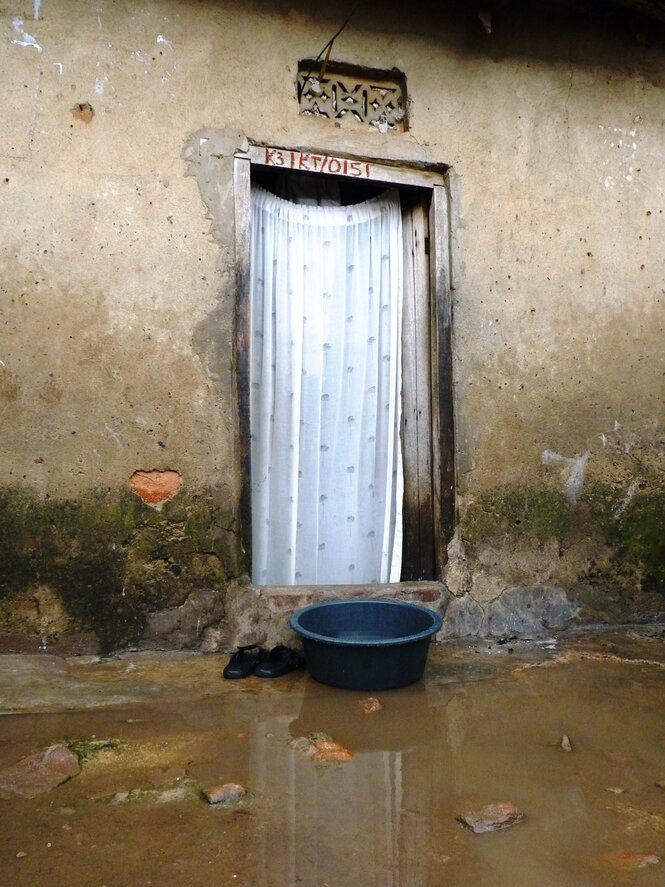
x=341, y=165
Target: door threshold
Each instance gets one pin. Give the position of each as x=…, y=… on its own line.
x=280, y=599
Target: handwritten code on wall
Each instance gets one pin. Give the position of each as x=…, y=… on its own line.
x=316, y=163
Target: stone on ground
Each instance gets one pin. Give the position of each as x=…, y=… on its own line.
x=492, y=817
x=227, y=795
x=41, y=772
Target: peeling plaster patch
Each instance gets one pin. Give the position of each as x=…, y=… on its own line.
x=27, y=39
x=155, y=487
x=36, y=6
x=572, y=472
x=99, y=85
x=58, y=65
x=209, y=153
x=162, y=39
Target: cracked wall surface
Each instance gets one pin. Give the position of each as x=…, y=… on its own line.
x=117, y=279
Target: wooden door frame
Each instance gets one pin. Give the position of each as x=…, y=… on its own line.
x=442, y=432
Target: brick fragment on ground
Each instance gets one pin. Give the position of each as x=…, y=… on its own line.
x=41, y=772
x=369, y=706
x=326, y=750
x=320, y=747
x=627, y=860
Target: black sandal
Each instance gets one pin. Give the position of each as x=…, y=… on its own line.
x=243, y=662
x=279, y=661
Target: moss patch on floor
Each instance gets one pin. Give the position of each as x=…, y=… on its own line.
x=87, y=749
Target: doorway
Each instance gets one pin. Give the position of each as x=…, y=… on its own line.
x=319, y=447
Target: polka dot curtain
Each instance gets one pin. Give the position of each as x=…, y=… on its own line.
x=325, y=314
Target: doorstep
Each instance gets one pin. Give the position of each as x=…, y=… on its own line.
x=280, y=600
x=259, y=614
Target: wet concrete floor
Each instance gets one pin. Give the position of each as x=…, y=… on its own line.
x=486, y=724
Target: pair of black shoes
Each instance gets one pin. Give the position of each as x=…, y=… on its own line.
x=258, y=661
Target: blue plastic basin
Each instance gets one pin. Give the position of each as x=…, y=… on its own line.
x=366, y=644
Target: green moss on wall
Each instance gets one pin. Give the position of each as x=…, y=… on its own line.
x=536, y=513
x=112, y=560
x=633, y=523
x=630, y=520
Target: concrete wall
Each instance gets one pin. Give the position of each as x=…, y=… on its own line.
x=117, y=128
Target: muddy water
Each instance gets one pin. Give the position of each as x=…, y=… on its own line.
x=485, y=725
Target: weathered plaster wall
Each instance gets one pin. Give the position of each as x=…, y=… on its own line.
x=117, y=288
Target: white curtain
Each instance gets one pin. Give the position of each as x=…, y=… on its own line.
x=326, y=307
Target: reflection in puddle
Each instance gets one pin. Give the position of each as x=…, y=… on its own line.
x=405, y=719
x=365, y=817
x=388, y=816
x=594, y=816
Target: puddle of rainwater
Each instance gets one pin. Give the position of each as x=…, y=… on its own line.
x=385, y=818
